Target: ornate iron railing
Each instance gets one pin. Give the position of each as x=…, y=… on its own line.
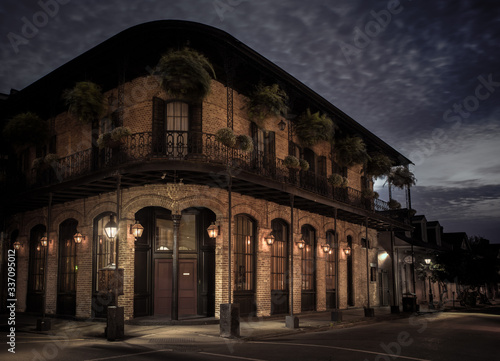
x=199, y=147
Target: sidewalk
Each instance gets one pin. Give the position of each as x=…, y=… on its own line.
x=250, y=329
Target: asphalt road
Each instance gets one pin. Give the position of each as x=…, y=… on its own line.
x=442, y=336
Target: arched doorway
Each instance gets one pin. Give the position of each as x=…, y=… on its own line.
x=279, y=267
x=36, y=275
x=308, y=268
x=66, y=280
x=153, y=263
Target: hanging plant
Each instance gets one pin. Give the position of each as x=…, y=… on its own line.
x=351, y=151
x=401, y=177
x=113, y=139
x=312, y=128
x=26, y=128
x=378, y=165
x=44, y=162
x=185, y=74
x=369, y=194
x=245, y=143
x=267, y=101
x=226, y=137
x=394, y=204
x=291, y=162
x=304, y=165
x=85, y=101
x=337, y=180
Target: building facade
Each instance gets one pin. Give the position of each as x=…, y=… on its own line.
x=172, y=175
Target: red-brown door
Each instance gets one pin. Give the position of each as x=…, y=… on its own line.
x=187, y=287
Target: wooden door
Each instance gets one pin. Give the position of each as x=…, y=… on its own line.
x=187, y=287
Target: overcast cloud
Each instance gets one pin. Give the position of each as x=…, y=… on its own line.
x=413, y=82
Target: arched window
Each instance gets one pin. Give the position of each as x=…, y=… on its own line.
x=66, y=290
x=350, y=276
x=308, y=267
x=36, y=277
x=279, y=267
x=331, y=259
x=244, y=253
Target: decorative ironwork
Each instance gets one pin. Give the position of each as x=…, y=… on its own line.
x=204, y=148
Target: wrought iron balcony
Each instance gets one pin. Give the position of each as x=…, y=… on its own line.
x=194, y=147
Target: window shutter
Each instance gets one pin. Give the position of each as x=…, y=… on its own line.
x=254, y=129
x=271, y=145
x=322, y=166
x=195, y=138
x=158, y=126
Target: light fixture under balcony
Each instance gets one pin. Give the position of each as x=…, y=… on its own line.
x=301, y=244
x=111, y=227
x=136, y=230
x=213, y=230
x=270, y=239
x=347, y=251
x=326, y=248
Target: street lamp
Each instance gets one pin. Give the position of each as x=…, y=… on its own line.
x=111, y=227
x=427, y=261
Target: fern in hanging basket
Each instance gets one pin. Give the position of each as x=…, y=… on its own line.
x=185, y=74
x=304, y=165
x=26, y=128
x=51, y=158
x=226, y=137
x=378, y=165
x=337, y=180
x=85, y=101
x=394, y=204
x=401, y=177
x=267, y=101
x=291, y=162
x=113, y=139
x=351, y=151
x=245, y=143
x=312, y=128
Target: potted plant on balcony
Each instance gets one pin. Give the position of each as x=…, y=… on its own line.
x=244, y=143
x=336, y=180
x=266, y=101
x=226, y=136
x=185, y=74
x=394, y=204
x=26, y=128
x=401, y=177
x=291, y=162
x=378, y=165
x=304, y=165
x=369, y=194
x=113, y=139
x=351, y=151
x=85, y=101
x=312, y=128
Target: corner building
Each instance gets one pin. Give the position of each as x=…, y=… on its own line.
x=172, y=176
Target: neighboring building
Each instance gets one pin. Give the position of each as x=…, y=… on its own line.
x=171, y=175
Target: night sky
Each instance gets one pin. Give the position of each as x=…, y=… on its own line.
x=423, y=76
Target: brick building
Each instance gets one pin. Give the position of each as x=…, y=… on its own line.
x=174, y=177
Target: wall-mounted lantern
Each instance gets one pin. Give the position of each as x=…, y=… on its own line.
x=270, y=239
x=136, y=230
x=427, y=261
x=326, y=248
x=301, y=244
x=44, y=241
x=17, y=245
x=213, y=230
x=347, y=251
x=78, y=238
x=282, y=125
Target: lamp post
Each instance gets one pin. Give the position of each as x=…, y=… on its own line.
x=431, y=296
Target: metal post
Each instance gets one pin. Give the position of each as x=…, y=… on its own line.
x=337, y=257
x=118, y=206
x=290, y=238
x=369, y=312
x=395, y=302
x=230, y=216
x=176, y=219
x=43, y=324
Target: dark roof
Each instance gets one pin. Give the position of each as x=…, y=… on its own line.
x=455, y=239
x=135, y=51
x=419, y=243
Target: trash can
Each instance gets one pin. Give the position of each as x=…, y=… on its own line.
x=410, y=303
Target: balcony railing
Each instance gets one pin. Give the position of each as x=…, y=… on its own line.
x=199, y=147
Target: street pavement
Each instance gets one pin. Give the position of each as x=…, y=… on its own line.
x=149, y=339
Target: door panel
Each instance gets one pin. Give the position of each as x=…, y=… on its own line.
x=187, y=287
